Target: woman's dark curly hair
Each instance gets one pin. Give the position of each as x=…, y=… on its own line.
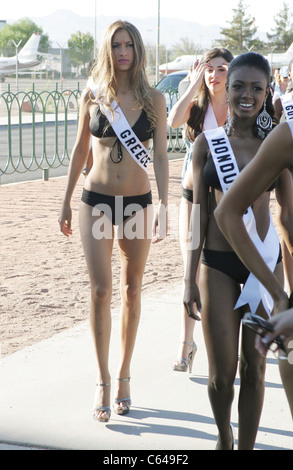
x=253, y=59
x=202, y=97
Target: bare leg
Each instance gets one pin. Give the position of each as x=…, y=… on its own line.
x=98, y=258
x=133, y=255
x=252, y=375
x=187, y=323
x=221, y=330
x=288, y=266
x=285, y=368
x=286, y=373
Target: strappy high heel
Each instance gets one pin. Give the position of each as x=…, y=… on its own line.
x=102, y=409
x=186, y=362
x=124, y=402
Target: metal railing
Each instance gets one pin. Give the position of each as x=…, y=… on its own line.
x=175, y=137
x=38, y=129
x=34, y=129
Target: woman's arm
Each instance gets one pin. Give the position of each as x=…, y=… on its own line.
x=180, y=112
x=77, y=161
x=161, y=164
x=198, y=227
x=273, y=156
x=284, y=196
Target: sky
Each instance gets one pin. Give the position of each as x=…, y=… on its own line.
x=213, y=12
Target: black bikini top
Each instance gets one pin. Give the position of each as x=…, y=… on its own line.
x=99, y=126
x=211, y=176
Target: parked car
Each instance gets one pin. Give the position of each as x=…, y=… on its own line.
x=169, y=86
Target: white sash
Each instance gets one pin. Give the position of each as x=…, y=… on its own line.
x=126, y=136
x=226, y=165
x=210, y=121
x=124, y=132
x=287, y=103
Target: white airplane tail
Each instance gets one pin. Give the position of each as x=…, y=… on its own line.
x=30, y=49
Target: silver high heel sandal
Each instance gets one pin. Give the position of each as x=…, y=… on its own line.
x=186, y=362
x=124, y=402
x=102, y=409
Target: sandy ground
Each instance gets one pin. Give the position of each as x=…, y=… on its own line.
x=44, y=285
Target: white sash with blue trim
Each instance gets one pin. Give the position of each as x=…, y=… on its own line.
x=227, y=169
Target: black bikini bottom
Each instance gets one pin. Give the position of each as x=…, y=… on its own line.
x=228, y=263
x=117, y=208
x=187, y=194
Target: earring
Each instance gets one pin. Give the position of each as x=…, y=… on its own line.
x=264, y=120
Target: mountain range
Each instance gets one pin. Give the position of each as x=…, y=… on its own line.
x=61, y=24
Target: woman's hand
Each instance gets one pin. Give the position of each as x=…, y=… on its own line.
x=283, y=327
x=197, y=73
x=191, y=296
x=160, y=224
x=65, y=220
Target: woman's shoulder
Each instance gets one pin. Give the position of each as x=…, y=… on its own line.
x=201, y=147
x=158, y=100
x=87, y=94
x=201, y=140
x=156, y=94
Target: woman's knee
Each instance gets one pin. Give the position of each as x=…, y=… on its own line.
x=101, y=294
x=221, y=383
x=131, y=293
x=253, y=372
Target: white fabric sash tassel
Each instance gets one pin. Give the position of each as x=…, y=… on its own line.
x=253, y=291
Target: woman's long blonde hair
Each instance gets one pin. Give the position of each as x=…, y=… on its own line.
x=103, y=73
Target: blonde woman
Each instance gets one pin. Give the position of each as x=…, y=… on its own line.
x=117, y=193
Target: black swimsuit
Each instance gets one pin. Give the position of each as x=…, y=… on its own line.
x=226, y=262
x=100, y=126
x=117, y=208
x=212, y=179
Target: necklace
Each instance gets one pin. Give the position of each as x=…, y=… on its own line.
x=119, y=152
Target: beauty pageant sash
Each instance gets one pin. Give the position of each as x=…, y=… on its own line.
x=287, y=103
x=226, y=165
x=124, y=132
x=210, y=121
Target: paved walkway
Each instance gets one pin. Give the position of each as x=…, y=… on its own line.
x=47, y=391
